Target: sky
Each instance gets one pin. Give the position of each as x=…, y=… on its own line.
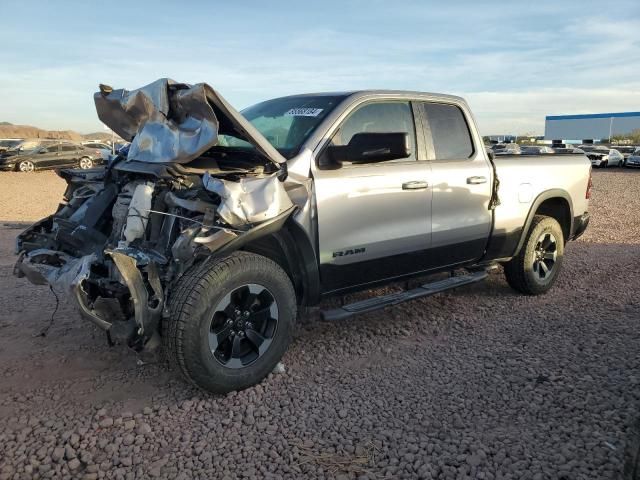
x=514, y=62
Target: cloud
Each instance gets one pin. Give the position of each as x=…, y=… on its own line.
x=514, y=63
x=524, y=112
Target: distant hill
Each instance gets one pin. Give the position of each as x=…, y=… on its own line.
x=8, y=130
x=100, y=136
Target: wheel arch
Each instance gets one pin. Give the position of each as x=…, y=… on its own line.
x=555, y=203
x=291, y=248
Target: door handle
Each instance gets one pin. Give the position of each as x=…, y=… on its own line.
x=415, y=185
x=476, y=180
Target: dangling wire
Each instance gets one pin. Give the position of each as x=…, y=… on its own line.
x=45, y=330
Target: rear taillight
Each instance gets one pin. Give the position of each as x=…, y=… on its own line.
x=587, y=194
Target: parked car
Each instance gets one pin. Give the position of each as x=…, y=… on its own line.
x=52, y=155
x=212, y=248
x=625, y=150
x=634, y=159
x=106, y=151
x=536, y=150
x=570, y=150
x=507, y=149
x=601, y=156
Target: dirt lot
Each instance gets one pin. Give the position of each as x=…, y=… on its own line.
x=481, y=383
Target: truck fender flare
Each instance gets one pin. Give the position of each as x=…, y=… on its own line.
x=294, y=244
x=546, y=195
x=302, y=257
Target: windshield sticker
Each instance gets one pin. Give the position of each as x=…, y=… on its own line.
x=303, y=112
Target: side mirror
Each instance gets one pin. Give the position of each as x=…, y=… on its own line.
x=371, y=147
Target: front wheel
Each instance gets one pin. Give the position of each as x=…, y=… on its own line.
x=230, y=322
x=536, y=268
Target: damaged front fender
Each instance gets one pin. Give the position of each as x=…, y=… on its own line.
x=124, y=236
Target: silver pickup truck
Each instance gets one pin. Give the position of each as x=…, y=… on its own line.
x=215, y=227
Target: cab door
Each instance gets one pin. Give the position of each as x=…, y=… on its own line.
x=69, y=155
x=461, y=182
x=373, y=219
x=48, y=157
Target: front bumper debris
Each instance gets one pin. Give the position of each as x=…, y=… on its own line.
x=69, y=275
x=62, y=273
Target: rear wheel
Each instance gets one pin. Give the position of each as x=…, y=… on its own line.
x=230, y=321
x=86, y=163
x=536, y=268
x=26, y=166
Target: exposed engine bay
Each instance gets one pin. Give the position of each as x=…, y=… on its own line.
x=125, y=234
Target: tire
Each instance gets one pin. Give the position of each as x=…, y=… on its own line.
x=235, y=294
x=26, y=166
x=85, y=163
x=543, y=249
x=632, y=453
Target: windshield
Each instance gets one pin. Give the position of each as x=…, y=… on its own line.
x=9, y=143
x=285, y=122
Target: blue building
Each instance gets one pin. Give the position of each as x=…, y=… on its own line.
x=594, y=126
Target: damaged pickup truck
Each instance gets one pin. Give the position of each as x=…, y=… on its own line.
x=209, y=233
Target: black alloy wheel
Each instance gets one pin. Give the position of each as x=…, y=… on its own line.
x=545, y=255
x=243, y=326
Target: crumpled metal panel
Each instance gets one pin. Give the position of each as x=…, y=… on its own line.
x=63, y=278
x=171, y=122
x=165, y=121
x=249, y=200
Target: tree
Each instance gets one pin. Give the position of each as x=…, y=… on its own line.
x=633, y=137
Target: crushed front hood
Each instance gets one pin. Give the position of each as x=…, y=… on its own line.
x=171, y=122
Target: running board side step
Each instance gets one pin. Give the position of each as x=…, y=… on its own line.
x=377, y=303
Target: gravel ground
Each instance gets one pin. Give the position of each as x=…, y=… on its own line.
x=481, y=383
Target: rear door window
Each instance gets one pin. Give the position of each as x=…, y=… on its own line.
x=449, y=131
